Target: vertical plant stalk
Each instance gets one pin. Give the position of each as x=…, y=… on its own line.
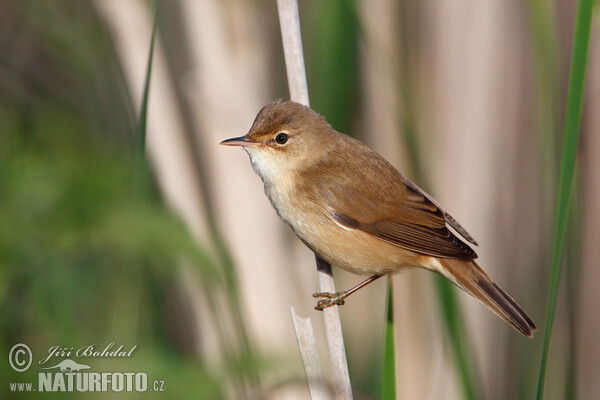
x=291, y=36
x=310, y=357
x=333, y=330
x=457, y=335
x=140, y=173
x=575, y=92
x=289, y=21
x=388, y=380
x=143, y=120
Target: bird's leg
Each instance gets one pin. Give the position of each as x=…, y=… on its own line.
x=339, y=298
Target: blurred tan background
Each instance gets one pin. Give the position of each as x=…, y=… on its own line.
x=465, y=97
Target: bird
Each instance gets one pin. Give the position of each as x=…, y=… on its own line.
x=356, y=211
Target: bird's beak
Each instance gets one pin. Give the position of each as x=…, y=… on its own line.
x=239, y=141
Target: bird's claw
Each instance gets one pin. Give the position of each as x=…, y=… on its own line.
x=330, y=299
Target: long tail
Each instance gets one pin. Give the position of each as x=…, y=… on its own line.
x=469, y=277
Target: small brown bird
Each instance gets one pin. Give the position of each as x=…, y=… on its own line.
x=357, y=212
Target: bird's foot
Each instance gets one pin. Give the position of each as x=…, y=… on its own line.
x=330, y=299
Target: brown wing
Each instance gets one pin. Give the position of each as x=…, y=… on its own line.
x=388, y=206
x=449, y=218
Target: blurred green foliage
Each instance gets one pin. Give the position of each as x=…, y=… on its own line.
x=82, y=259
x=332, y=60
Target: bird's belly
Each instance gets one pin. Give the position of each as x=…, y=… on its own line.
x=351, y=249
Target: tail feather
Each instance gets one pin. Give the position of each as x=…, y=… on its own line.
x=469, y=277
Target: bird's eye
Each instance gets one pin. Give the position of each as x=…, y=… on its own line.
x=281, y=138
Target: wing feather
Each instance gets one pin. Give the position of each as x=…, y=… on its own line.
x=389, y=207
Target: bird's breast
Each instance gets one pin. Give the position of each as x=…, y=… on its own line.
x=350, y=249
x=284, y=197
x=310, y=218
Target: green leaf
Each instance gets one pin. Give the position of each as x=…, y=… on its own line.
x=142, y=123
x=569, y=153
x=455, y=329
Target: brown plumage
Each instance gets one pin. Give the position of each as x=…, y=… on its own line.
x=356, y=211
